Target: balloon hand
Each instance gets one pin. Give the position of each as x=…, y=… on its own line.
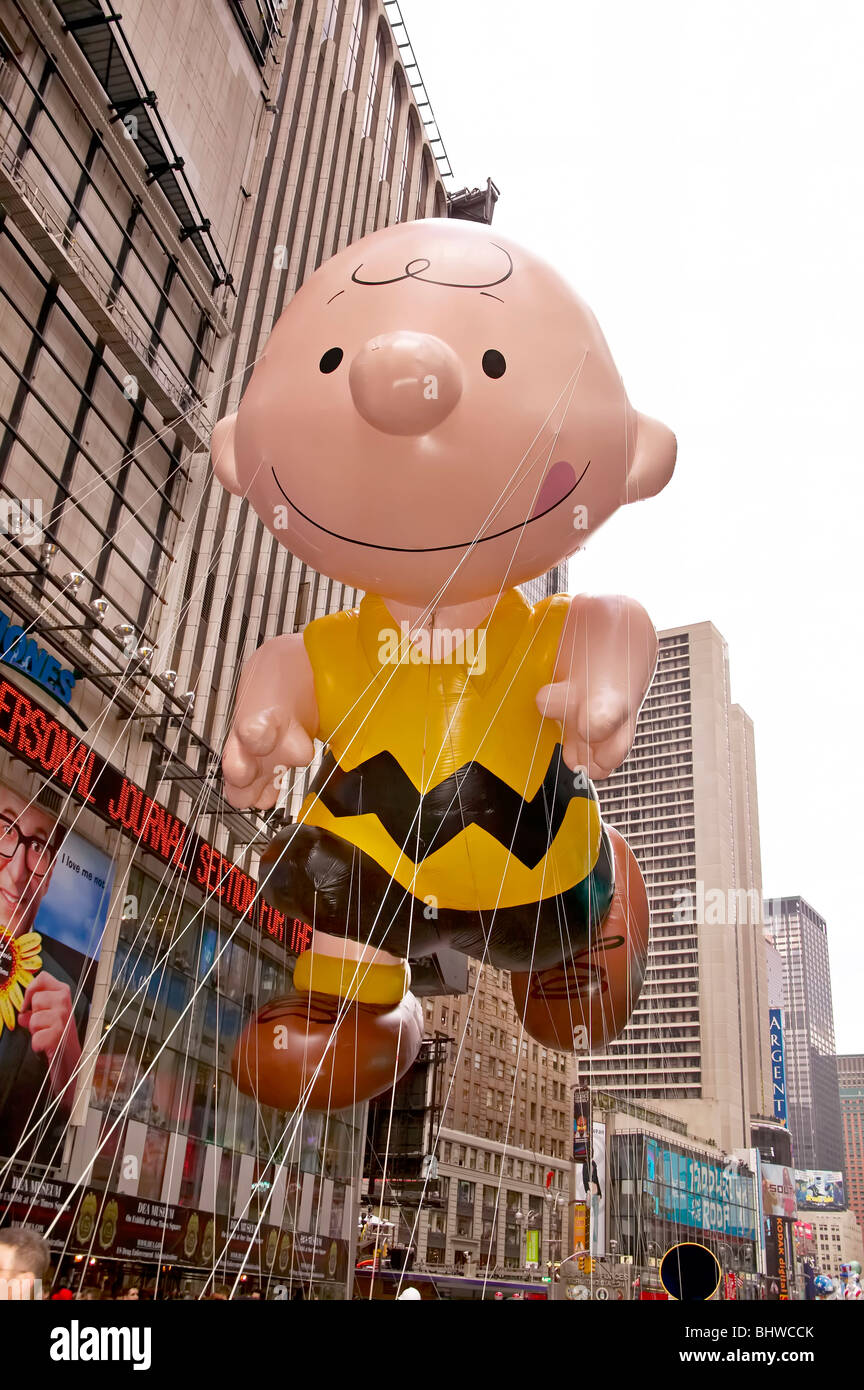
x=598, y=726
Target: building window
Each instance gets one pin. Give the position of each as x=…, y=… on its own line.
x=153, y=1164
x=111, y=1150
x=258, y=24
x=409, y=147
x=464, y=1194
x=193, y=1172
x=389, y=128
x=354, y=44
x=423, y=190
x=374, y=84
x=329, y=26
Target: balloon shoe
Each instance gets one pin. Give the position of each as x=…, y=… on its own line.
x=585, y=1002
x=324, y=1051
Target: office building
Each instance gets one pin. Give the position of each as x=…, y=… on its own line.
x=801, y=937
x=554, y=581
x=850, y=1075
x=470, y=1156
x=685, y=800
x=168, y=178
x=836, y=1240
x=665, y=1186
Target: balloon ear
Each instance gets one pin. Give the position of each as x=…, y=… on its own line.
x=653, y=459
x=222, y=454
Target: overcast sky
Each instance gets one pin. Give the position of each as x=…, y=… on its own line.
x=696, y=171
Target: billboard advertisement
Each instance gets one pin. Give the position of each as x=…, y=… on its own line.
x=29, y=732
x=598, y=1188
x=819, y=1189
x=778, y=1064
x=532, y=1249
x=591, y=1188
x=777, y=1251
x=55, y=889
x=778, y=1191
x=694, y=1192
x=581, y=1123
x=581, y=1228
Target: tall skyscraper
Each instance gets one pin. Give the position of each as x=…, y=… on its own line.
x=850, y=1075
x=801, y=937
x=685, y=799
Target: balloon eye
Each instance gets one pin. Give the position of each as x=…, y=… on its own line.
x=331, y=359
x=493, y=363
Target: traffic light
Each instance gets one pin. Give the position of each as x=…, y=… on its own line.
x=553, y=1271
x=586, y=1264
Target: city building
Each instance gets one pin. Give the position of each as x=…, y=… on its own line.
x=667, y=1186
x=697, y=1045
x=850, y=1075
x=554, y=581
x=492, y=1121
x=697, y=1051
x=168, y=178
x=801, y=937
x=836, y=1239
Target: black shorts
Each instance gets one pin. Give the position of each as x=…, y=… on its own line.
x=311, y=873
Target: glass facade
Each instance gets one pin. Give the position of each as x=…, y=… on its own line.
x=183, y=988
x=661, y=1194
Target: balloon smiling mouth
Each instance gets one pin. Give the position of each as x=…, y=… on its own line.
x=559, y=484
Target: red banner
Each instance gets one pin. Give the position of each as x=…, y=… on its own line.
x=33, y=734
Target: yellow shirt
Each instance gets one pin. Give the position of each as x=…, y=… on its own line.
x=444, y=771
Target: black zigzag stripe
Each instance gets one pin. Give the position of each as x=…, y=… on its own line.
x=472, y=795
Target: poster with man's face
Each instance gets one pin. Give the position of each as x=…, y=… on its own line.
x=55, y=889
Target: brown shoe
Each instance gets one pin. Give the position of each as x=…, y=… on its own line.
x=585, y=1002
x=285, y=1056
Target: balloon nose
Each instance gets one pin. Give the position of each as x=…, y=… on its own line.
x=405, y=383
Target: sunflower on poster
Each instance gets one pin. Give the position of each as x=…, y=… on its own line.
x=19, y=962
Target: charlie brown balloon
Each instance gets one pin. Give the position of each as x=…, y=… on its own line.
x=436, y=419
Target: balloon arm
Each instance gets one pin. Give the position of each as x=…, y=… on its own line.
x=605, y=664
x=275, y=723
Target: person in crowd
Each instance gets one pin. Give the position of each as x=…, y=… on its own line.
x=24, y=1259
